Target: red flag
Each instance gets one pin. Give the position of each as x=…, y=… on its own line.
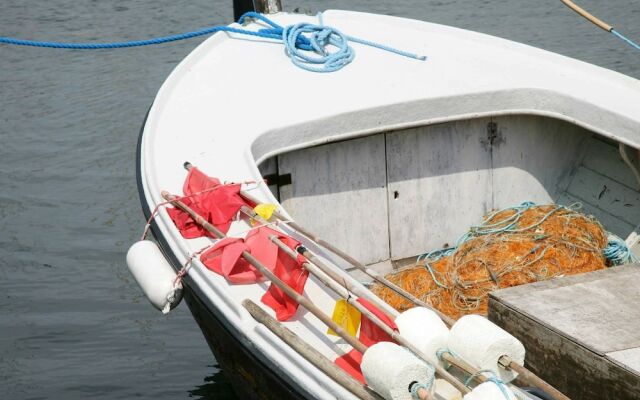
x=225, y=259
x=217, y=206
x=290, y=271
x=370, y=334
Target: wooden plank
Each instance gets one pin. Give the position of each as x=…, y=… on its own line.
x=598, y=310
x=606, y=194
x=605, y=159
x=629, y=358
x=439, y=184
x=533, y=158
x=338, y=191
x=570, y=367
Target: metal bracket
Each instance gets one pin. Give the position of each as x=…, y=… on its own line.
x=278, y=180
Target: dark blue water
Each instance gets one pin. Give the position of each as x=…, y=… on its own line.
x=73, y=324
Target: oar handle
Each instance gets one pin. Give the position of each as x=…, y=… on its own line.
x=340, y=288
x=532, y=378
x=527, y=375
x=592, y=18
x=309, y=353
x=373, y=274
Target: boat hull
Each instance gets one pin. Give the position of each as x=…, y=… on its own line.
x=251, y=376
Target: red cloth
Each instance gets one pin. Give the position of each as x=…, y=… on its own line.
x=284, y=267
x=217, y=206
x=225, y=259
x=370, y=334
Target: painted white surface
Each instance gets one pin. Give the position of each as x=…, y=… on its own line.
x=482, y=343
x=336, y=183
x=199, y=115
x=532, y=159
x=439, y=183
x=390, y=370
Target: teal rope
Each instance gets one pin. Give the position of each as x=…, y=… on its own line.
x=493, y=379
x=440, y=353
x=618, y=252
x=427, y=385
x=626, y=39
x=306, y=44
x=486, y=228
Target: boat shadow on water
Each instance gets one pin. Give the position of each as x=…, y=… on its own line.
x=215, y=386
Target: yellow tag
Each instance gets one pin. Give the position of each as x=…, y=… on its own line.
x=265, y=211
x=347, y=316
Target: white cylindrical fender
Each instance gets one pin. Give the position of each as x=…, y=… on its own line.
x=481, y=343
x=392, y=371
x=154, y=275
x=424, y=329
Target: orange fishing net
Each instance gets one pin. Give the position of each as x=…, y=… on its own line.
x=510, y=247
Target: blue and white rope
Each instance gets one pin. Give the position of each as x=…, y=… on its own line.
x=306, y=44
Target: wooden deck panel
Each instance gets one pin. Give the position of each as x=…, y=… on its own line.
x=582, y=333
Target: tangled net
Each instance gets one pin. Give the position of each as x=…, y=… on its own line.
x=511, y=247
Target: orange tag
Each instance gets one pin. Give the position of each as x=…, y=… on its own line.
x=347, y=316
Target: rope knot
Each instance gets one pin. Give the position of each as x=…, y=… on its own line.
x=309, y=45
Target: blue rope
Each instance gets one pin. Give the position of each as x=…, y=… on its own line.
x=501, y=386
x=618, y=252
x=493, y=379
x=440, y=354
x=626, y=39
x=427, y=385
x=306, y=43
x=486, y=228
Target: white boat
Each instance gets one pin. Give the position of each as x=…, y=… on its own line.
x=388, y=157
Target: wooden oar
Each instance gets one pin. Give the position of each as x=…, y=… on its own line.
x=335, y=275
x=370, y=272
x=301, y=300
x=531, y=378
x=590, y=17
x=337, y=284
x=343, y=292
x=599, y=23
x=309, y=353
x=526, y=375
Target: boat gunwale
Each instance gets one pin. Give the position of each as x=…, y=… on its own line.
x=314, y=132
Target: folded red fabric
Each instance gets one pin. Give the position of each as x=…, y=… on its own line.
x=224, y=258
x=218, y=204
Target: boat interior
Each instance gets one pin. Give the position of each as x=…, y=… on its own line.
x=389, y=197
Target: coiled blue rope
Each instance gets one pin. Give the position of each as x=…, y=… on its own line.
x=618, y=252
x=307, y=44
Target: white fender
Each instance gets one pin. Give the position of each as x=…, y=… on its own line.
x=154, y=275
